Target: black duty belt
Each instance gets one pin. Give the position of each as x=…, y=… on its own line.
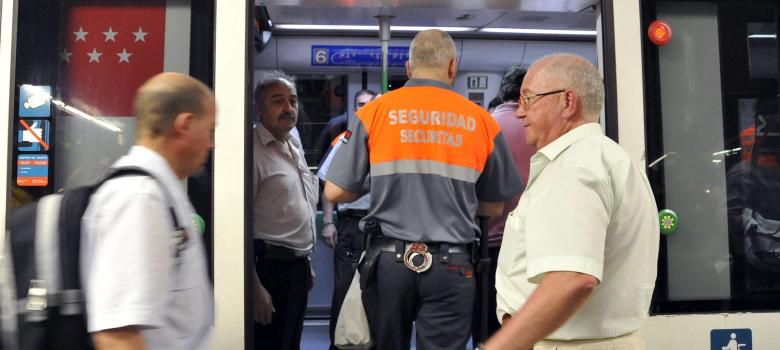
x=358, y=213
x=275, y=252
x=417, y=256
x=388, y=244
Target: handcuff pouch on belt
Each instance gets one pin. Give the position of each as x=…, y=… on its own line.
x=414, y=250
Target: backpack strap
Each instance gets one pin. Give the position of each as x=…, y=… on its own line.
x=48, y=281
x=46, y=289
x=134, y=170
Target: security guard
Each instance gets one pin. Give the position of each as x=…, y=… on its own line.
x=436, y=161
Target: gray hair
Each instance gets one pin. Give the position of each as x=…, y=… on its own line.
x=431, y=48
x=275, y=77
x=574, y=72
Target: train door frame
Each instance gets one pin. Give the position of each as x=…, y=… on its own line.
x=8, y=12
x=232, y=60
x=624, y=100
x=232, y=173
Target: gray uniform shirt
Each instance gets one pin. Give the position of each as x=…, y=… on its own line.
x=433, y=156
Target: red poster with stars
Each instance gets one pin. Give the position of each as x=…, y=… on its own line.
x=110, y=49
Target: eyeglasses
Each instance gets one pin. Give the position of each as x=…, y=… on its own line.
x=525, y=101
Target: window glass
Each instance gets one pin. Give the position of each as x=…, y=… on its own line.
x=322, y=112
x=78, y=66
x=713, y=146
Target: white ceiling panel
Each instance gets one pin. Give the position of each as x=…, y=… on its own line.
x=547, y=20
x=294, y=53
x=366, y=16
x=556, y=14
x=516, y=5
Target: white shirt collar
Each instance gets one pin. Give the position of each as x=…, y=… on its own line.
x=555, y=148
x=267, y=138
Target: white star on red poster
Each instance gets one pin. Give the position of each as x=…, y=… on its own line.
x=65, y=55
x=140, y=35
x=110, y=35
x=124, y=56
x=96, y=82
x=94, y=56
x=81, y=34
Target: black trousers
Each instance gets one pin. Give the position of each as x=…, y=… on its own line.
x=439, y=301
x=492, y=320
x=288, y=282
x=345, y=259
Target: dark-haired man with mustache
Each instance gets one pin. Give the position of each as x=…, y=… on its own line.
x=285, y=199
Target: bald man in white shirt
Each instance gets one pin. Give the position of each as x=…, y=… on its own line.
x=577, y=265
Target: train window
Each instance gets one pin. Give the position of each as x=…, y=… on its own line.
x=322, y=112
x=78, y=66
x=395, y=82
x=713, y=147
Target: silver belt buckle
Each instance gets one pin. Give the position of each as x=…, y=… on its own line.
x=414, y=250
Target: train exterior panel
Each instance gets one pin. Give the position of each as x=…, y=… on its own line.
x=699, y=112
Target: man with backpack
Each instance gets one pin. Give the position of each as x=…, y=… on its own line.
x=142, y=260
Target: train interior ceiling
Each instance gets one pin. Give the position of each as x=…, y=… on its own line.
x=490, y=38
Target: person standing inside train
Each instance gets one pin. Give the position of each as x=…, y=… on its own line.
x=285, y=200
x=436, y=161
x=513, y=131
x=577, y=266
x=343, y=236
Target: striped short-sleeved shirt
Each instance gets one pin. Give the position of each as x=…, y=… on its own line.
x=432, y=155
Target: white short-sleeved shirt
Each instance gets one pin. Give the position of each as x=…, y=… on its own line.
x=131, y=272
x=587, y=208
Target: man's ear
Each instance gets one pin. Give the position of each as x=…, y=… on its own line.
x=452, y=69
x=408, y=70
x=571, y=106
x=183, y=122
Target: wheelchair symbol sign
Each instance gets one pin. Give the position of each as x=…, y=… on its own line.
x=731, y=339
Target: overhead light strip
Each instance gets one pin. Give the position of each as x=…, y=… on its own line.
x=324, y=27
x=418, y=29
x=763, y=36
x=539, y=31
x=446, y=29
x=368, y=28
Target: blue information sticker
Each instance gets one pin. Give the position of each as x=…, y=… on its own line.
x=357, y=55
x=34, y=101
x=731, y=339
x=33, y=135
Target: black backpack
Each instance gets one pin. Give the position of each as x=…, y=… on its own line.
x=41, y=296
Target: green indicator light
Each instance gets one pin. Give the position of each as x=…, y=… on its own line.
x=668, y=220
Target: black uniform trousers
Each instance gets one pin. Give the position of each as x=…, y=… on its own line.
x=492, y=320
x=288, y=283
x=345, y=259
x=439, y=301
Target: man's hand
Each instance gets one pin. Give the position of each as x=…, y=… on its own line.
x=329, y=234
x=264, y=306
